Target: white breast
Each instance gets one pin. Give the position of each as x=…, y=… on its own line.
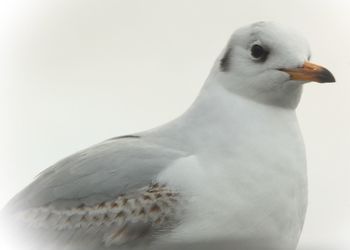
x=245, y=183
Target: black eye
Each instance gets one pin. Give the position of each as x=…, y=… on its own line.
x=258, y=52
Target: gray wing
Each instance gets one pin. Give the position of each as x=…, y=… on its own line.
x=101, y=197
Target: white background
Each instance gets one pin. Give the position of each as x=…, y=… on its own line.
x=73, y=73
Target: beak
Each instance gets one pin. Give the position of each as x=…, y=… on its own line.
x=311, y=73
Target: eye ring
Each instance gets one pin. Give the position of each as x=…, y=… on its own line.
x=259, y=53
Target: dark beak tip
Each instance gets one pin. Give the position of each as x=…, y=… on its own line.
x=326, y=76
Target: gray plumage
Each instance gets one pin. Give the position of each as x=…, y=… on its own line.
x=67, y=205
x=98, y=173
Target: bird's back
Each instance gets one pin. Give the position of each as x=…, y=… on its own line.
x=99, y=198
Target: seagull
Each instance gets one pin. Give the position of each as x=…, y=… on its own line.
x=229, y=173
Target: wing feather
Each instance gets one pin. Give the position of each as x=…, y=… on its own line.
x=99, y=198
x=98, y=173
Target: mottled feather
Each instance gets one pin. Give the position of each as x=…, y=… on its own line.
x=106, y=195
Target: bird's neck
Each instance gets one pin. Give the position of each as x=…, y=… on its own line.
x=217, y=112
x=219, y=120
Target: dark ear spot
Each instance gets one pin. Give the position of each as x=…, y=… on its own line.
x=225, y=60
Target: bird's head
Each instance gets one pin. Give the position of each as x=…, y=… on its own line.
x=268, y=63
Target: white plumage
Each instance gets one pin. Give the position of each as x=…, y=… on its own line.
x=230, y=173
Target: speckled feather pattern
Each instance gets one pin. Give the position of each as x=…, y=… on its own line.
x=153, y=205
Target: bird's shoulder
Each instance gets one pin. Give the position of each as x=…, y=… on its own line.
x=101, y=172
x=107, y=194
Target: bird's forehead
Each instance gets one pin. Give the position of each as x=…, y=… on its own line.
x=272, y=35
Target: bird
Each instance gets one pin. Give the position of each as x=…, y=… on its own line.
x=229, y=173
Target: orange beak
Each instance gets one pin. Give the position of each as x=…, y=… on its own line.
x=311, y=73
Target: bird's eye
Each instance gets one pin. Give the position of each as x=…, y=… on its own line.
x=259, y=53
